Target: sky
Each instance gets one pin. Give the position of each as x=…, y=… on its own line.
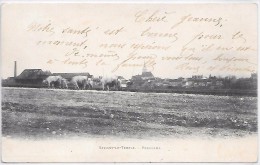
x=119, y=39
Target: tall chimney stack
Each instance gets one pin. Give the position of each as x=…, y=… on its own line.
x=15, y=69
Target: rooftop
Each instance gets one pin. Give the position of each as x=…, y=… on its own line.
x=33, y=74
x=70, y=75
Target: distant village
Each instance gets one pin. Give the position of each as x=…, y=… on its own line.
x=147, y=82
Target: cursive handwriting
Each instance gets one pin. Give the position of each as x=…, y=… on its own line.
x=151, y=16
x=217, y=21
x=41, y=27
x=150, y=61
x=149, y=33
x=62, y=43
x=189, y=41
x=77, y=53
x=84, y=31
x=114, y=32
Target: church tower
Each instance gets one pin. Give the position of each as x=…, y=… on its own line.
x=144, y=69
x=146, y=74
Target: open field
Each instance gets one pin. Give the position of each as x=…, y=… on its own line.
x=52, y=113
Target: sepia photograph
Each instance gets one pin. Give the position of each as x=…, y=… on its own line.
x=129, y=82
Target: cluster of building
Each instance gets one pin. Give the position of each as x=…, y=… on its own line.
x=146, y=80
x=35, y=77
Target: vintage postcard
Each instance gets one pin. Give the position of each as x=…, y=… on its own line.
x=125, y=82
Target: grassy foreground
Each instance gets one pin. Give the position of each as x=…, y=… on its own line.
x=47, y=113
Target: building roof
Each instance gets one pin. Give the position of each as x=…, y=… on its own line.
x=197, y=76
x=33, y=74
x=137, y=77
x=175, y=80
x=70, y=75
x=147, y=74
x=120, y=77
x=144, y=68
